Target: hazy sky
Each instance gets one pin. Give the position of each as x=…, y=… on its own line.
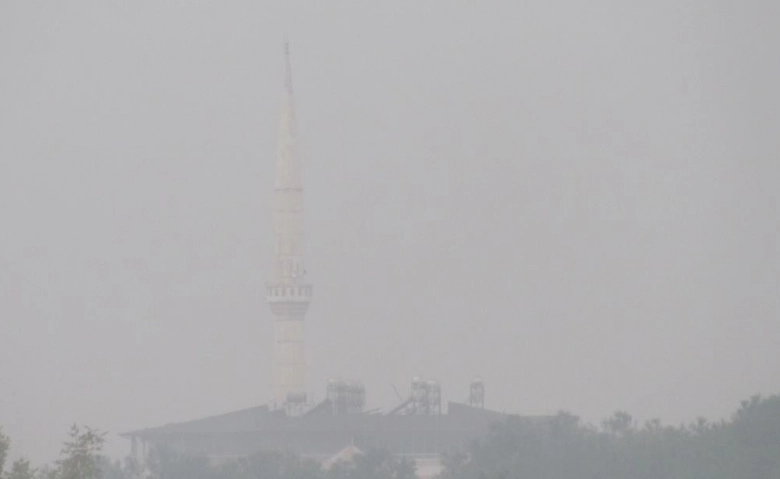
x=576, y=200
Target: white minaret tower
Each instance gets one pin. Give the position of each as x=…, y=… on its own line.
x=288, y=294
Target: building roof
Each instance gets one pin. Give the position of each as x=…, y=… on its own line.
x=243, y=420
x=260, y=419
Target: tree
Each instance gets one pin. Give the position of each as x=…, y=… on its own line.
x=5, y=444
x=272, y=465
x=47, y=472
x=81, y=454
x=620, y=424
x=563, y=448
x=374, y=464
x=165, y=463
x=20, y=470
x=115, y=470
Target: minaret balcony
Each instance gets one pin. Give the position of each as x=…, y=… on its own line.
x=288, y=293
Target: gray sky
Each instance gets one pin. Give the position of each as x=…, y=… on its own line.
x=576, y=200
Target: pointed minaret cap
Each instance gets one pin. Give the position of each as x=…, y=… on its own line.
x=287, y=69
x=288, y=169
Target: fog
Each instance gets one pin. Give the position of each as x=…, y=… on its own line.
x=576, y=200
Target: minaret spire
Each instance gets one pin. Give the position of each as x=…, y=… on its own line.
x=287, y=69
x=289, y=294
x=288, y=168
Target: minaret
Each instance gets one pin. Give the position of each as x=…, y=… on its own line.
x=288, y=294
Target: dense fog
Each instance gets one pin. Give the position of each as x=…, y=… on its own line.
x=576, y=201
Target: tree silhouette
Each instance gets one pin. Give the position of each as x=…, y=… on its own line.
x=81, y=454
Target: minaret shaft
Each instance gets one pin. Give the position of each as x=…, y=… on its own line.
x=289, y=294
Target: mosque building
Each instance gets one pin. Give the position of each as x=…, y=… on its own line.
x=418, y=427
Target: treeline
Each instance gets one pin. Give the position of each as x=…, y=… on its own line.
x=746, y=446
x=274, y=465
x=81, y=458
x=563, y=447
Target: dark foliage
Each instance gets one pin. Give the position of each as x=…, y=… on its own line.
x=746, y=446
